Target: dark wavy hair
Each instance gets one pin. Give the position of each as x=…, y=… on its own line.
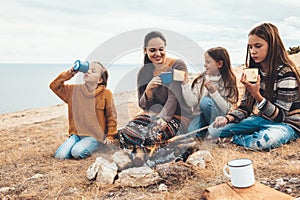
x=148, y=37
x=147, y=67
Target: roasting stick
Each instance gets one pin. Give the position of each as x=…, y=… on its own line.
x=187, y=134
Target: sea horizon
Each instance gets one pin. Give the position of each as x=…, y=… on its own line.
x=26, y=85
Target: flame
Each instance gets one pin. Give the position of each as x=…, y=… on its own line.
x=152, y=150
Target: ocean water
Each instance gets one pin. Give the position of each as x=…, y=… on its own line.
x=26, y=86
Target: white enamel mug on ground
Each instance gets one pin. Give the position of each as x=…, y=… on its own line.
x=240, y=172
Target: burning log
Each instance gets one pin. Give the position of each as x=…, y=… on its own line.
x=178, y=148
x=175, y=149
x=172, y=152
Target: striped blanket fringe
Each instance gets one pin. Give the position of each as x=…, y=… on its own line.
x=140, y=132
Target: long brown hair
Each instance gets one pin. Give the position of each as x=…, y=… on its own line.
x=276, y=56
x=227, y=75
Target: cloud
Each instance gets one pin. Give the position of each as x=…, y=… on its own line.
x=46, y=31
x=292, y=21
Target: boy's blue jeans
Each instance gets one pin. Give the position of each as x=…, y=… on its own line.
x=77, y=147
x=257, y=133
x=209, y=111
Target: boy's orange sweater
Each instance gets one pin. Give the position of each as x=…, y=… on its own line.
x=90, y=114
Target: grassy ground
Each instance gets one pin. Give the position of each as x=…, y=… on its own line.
x=27, y=150
x=28, y=170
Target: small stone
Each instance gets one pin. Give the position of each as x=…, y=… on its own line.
x=199, y=158
x=72, y=190
x=163, y=187
x=277, y=187
x=103, y=170
x=6, y=189
x=138, y=177
x=264, y=182
x=282, y=183
x=110, y=194
x=294, y=180
x=36, y=176
x=122, y=160
x=289, y=190
x=279, y=180
x=286, y=179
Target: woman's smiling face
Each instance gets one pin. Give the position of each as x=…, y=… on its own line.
x=156, y=50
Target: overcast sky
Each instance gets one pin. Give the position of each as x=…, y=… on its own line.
x=60, y=31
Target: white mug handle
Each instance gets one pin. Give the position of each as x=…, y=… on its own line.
x=225, y=172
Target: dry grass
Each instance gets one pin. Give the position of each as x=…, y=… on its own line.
x=28, y=140
x=27, y=150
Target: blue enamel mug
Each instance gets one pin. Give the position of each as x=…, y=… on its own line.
x=166, y=77
x=81, y=66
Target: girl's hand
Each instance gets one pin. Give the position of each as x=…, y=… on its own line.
x=108, y=141
x=72, y=71
x=220, y=121
x=209, y=86
x=252, y=88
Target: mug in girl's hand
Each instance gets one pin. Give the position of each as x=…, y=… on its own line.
x=81, y=66
x=240, y=172
x=251, y=74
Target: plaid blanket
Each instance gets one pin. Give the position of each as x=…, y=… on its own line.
x=140, y=132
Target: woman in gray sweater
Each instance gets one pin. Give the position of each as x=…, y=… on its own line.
x=165, y=113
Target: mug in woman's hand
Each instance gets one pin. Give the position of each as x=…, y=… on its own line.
x=166, y=77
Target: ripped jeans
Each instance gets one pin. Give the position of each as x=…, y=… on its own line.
x=258, y=133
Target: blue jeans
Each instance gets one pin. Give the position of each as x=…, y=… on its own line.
x=209, y=111
x=258, y=133
x=77, y=147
